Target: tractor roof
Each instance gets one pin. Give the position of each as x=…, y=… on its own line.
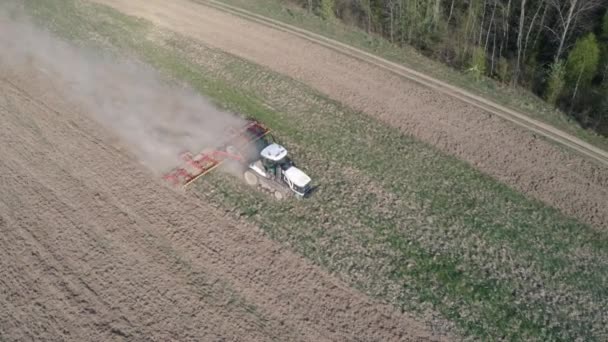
x=274, y=152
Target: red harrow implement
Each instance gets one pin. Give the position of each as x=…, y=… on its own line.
x=204, y=162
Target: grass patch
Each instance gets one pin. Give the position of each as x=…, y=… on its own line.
x=516, y=98
x=393, y=217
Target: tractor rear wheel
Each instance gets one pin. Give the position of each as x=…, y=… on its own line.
x=250, y=178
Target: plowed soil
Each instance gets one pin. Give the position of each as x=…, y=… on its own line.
x=93, y=248
x=512, y=155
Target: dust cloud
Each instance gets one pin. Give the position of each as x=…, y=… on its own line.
x=155, y=120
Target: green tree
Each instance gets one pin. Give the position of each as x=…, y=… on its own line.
x=478, y=62
x=604, y=31
x=602, y=115
x=326, y=9
x=583, y=61
x=502, y=70
x=556, y=83
x=603, y=65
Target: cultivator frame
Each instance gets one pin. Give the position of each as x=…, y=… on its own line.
x=206, y=161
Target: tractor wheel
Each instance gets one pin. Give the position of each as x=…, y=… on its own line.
x=250, y=178
x=278, y=195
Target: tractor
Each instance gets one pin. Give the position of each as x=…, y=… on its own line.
x=264, y=163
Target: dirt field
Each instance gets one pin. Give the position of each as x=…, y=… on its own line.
x=92, y=248
x=525, y=162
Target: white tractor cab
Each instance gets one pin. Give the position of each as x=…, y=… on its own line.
x=272, y=169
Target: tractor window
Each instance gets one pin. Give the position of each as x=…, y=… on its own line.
x=270, y=166
x=260, y=144
x=269, y=139
x=285, y=163
x=267, y=163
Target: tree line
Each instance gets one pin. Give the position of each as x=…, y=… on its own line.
x=556, y=48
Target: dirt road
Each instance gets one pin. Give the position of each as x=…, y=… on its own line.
x=92, y=248
x=520, y=119
x=496, y=147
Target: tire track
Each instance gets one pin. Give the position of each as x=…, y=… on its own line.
x=77, y=201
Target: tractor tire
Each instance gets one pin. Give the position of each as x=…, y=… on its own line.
x=250, y=178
